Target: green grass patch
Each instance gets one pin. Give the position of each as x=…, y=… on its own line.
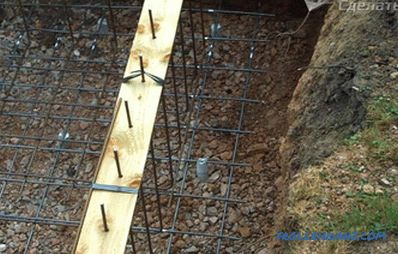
x=382, y=114
x=353, y=140
x=354, y=167
x=372, y=213
x=383, y=110
x=368, y=213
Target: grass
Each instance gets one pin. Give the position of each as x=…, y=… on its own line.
x=318, y=204
x=367, y=213
x=381, y=147
x=355, y=168
x=371, y=213
x=382, y=114
x=383, y=109
x=353, y=140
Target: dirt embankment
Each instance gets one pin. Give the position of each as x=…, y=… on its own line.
x=350, y=80
x=328, y=103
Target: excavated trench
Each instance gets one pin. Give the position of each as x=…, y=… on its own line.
x=279, y=53
x=282, y=57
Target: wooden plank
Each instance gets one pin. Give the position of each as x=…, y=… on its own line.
x=132, y=144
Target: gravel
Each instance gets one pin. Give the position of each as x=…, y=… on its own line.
x=3, y=247
x=253, y=185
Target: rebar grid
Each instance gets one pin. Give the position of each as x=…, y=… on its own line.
x=59, y=79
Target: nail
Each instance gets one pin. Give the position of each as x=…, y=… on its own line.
x=152, y=26
x=117, y=162
x=126, y=104
x=142, y=69
x=106, y=229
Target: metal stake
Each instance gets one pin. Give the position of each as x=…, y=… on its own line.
x=142, y=69
x=126, y=104
x=152, y=25
x=119, y=171
x=106, y=229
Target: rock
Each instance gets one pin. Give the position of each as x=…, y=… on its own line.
x=3, y=247
x=264, y=251
x=180, y=244
x=223, y=189
x=245, y=210
x=162, y=179
x=9, y=164
x=10, y=232
x=385, y=182
x=257, y=148
x=18, y=228
x=84, y=125
x=270, y=207
x=258, y=166
x=76, y=52
x=394, y=75
x=233, y=216
x=238, y=75
x=213, y=220
x=24, y=161
x=88, y=168
x=214, y=75
x=274, y=51
x=214, y=177
x=202, y=209
x=394, y=171
x=213, y=144
x=203, y=226
x=369, y=189
x=225, y=47
x=70, y=171
x=269, y=190
x=212, y=211
x=229, y=250
x=192, y=249
x=226, y=155
x=14, y=140
x=245, y=231
x=189, y=223
x=279, y=182
x=207, y=194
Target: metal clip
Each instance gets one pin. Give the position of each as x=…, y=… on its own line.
x=114, y=188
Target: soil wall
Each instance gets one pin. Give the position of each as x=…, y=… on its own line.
x=330, y=100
